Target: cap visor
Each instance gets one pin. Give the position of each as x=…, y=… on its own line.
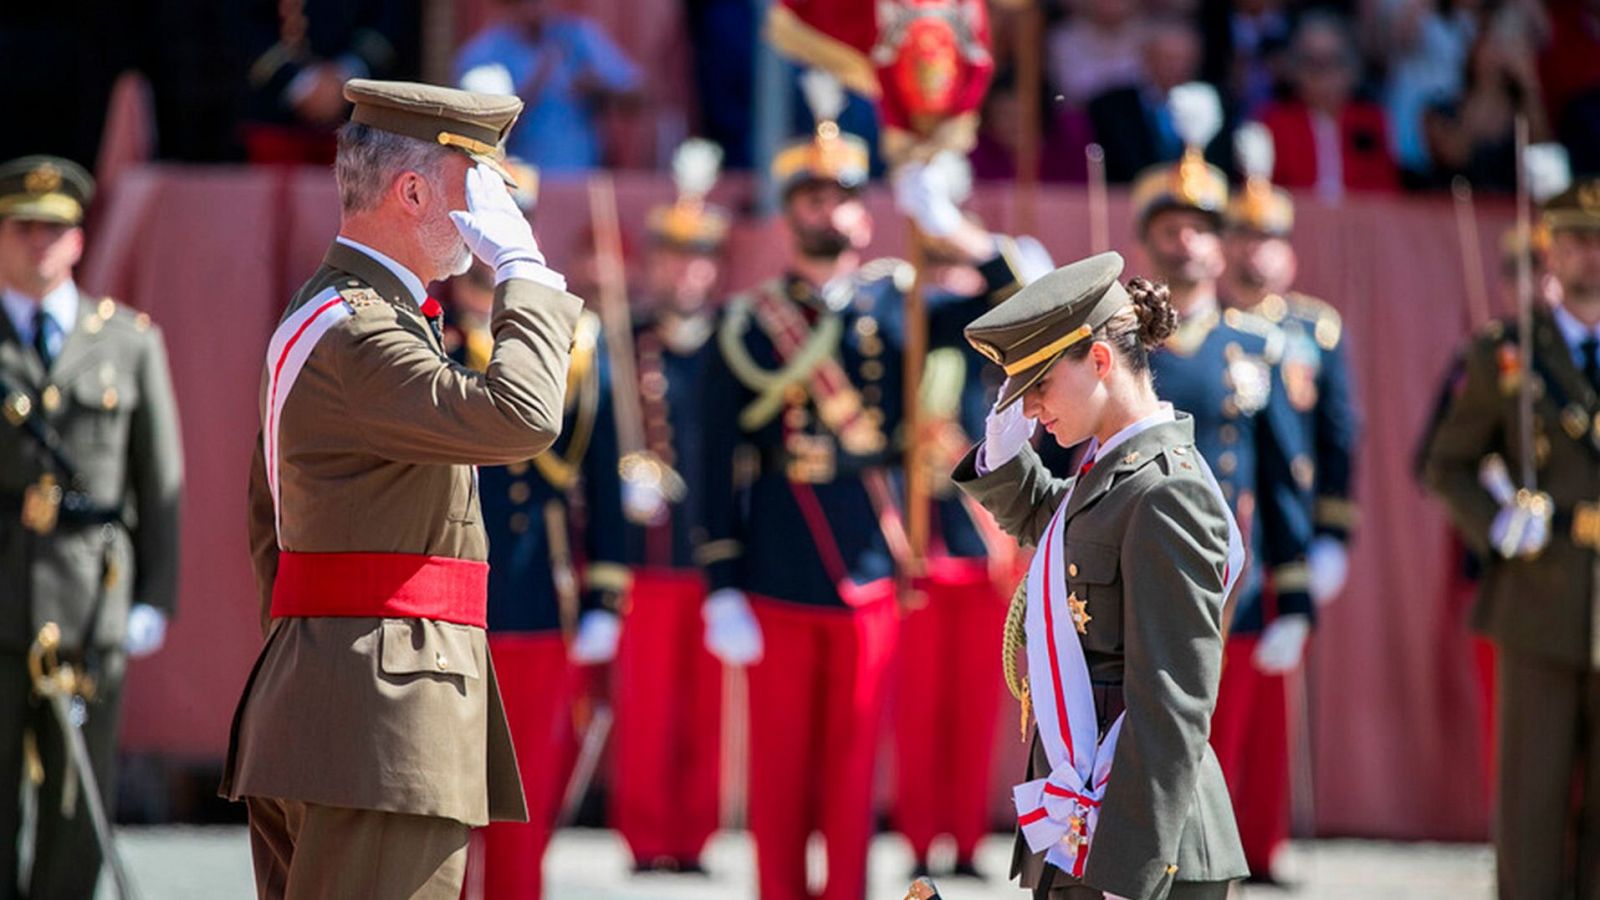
x=40, y=212
x=499, y=168
x=1018, y=384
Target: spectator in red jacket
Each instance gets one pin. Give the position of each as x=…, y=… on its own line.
x=1326, y=138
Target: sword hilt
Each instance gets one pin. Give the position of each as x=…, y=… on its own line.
x=51, y=677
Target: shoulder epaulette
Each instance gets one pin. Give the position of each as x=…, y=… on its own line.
x=902, y=272
x=1327, y=325
x=360, y=297
x=1270, y=334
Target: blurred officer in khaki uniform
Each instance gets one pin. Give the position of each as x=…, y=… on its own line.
x=89, y=533
x=371, y=734
x=1539, y=589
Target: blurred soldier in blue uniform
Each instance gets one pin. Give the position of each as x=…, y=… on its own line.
x=668, y=688
x=556, y=577
x=1316, y=365
x=1224, y=367
x=802, y=518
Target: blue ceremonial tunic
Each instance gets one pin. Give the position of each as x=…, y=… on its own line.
x=675, y=433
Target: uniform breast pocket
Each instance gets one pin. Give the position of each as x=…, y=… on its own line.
x=99, y=408
x=1094, y=585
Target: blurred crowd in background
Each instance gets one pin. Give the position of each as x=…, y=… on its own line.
x=1376, y=95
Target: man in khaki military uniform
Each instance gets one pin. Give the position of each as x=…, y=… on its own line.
x=371, y=734
x=89, y=532
x=1539, y=592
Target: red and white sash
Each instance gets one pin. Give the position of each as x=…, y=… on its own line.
x=1057, y=814
x=291, y=344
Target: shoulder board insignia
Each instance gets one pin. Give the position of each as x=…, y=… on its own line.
x=1327, y=325
x=359, y=298
x=1273, y=309
x=902, y=272
x=1249, y=323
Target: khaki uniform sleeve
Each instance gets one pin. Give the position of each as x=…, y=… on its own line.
x=1173, y=556
x=262, y=528
x=1470, y=429
x=155, y=470
x=409, y=404
x=1022, y=495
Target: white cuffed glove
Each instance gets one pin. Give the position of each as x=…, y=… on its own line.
x=147, y=630
x=1518, y=532
x=596, y=639
x=1004, y=433
x=1283, y=644
x=497, y=232
x=643, y=501
x=732, y=633
x=1329, y=563
x=921, y=193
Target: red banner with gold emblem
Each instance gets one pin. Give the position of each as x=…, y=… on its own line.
x=926, y=62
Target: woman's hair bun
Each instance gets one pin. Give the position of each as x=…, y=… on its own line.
x=1152, y=305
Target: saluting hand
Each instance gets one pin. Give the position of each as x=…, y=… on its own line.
x=496, y=231
x=1004, y=434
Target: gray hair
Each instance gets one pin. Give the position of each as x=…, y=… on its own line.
x=369, y=160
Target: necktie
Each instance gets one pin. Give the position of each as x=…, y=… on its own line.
x=1088, y=463
x=433, y=311
x=1590, y=348
x=44, y=336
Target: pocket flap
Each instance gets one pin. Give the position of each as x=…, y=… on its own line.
x=1092, y=563
x=440, y=648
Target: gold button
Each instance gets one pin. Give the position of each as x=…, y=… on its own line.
x=520, y=492
x=866, y=326
x=1072, y=570
x=1227, y=463
x=517, y=468
x=51, y=398
x=441, y=662
x=518, y=523
x=107, y=309
x=1229, y=434
x=1172, y=869
x=872, y=370
x=109, y=398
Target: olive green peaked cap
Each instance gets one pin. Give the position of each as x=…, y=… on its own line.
x=474, y=123
x=1027, y=333
x=45, y=189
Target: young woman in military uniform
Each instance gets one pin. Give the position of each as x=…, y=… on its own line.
x=1120, y=618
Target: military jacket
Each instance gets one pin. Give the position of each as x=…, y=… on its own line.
x=1316, y=379
x=108, y=396
x=376, y=445
x=555, y=521
x=792, y=512
x=671, y=391
x=1542, y=607
x=1146, y=541
x=1223, y=369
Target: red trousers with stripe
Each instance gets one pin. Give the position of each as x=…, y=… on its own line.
x=668, y=698
x=945, y=705
x=1250, y=735
x=816, y=707
x=537, y=685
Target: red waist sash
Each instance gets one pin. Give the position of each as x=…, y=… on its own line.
x=381, y=585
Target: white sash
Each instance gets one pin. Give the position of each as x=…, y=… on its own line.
x=286, y=356
x=1057, y=814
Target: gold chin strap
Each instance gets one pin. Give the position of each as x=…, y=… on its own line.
x=1048, y=350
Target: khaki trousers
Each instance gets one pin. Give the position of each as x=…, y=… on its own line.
x=304, y=851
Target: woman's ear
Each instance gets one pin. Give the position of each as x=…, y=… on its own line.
x=1100, y=352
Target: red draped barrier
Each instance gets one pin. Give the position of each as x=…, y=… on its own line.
x=213, y=253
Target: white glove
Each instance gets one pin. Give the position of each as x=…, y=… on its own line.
x=921, y=192
x=1517, y=531
x=596, y=639
x=147, y=630
x=732, y=633
x=643, y=501
x=496, y=231
x=1329, y=563
x=1004, y=433
x=1283, y=644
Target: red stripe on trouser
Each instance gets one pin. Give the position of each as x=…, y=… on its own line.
x=381, y=585
x=946, y=700
x=536, y=685
x=1250, y=735
x=816, y=707
x=668, y=697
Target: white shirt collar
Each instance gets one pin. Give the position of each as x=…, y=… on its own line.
x=1573, y=331
x=1164, y=413
x=61, y=304
x=419, y=291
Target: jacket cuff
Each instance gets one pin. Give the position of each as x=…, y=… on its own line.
x=1336, y=516
x=1291, y=584
x=719, y=560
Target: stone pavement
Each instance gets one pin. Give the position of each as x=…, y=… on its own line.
x=213, y=863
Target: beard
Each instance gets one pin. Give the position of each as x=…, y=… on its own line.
x=822, y=243
x=446, y=250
